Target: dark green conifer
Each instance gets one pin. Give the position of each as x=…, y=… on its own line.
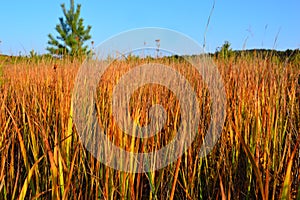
x=72, y=34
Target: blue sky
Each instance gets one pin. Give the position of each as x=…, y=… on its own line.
x=255, y=24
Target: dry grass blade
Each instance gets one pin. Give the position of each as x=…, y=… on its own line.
x=257, y=172
x=2, y=183
x=67, y=187
x=28, y=179
x=175, y=178
x=286, y=188
x=222, y=189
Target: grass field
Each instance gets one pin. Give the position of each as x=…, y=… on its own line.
x=256, y=157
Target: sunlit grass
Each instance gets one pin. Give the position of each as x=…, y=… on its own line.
x=257, y=155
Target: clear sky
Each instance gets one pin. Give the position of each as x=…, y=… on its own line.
x=256, y=23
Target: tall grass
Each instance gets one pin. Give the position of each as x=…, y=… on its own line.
x=257, y=156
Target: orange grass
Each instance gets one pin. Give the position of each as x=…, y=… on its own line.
x=257, y=155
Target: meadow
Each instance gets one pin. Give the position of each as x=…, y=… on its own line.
x=256, y=157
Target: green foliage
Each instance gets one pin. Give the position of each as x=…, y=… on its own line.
x=33, y=54
x=294, y=56
x=225, y=51
x=2, y=62
x=72, y=34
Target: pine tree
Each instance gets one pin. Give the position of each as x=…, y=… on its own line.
x=225, y=51
x=72, y=34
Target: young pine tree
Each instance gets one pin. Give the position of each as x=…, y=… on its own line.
x=72, y=34
x=225, y=51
